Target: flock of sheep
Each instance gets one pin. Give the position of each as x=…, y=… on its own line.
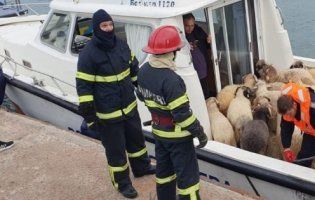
x=246, y=115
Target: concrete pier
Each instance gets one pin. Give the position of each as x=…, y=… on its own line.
x=49, y=163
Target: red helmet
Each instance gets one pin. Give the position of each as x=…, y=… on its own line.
x=163, y=40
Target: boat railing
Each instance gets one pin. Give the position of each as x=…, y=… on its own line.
x=30, y=8
x=15, y=65
x=281, y=15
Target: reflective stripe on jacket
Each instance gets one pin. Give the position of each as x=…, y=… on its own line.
x=300, y=95
x=164, y=93
x=105, y=79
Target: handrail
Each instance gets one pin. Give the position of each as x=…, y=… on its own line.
x=55, y=80
x=280, y=13
x=27, y=5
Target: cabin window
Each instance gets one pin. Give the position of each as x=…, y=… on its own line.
x=232, y=54
x=134, y=34
x=82, y=34
x=56, y=31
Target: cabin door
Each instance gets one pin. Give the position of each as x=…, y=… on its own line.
x=230, y=32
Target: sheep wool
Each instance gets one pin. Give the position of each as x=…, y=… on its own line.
x=221, y=128
x=239, y=112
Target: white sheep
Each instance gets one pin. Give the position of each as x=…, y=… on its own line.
x=297, y=75
x=300, y=64
x=276, y=86
x=255, y=134
x=249, y=80
x=221, y=128
x=239, y=112
x=227, y=94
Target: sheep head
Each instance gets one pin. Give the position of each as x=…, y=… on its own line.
x=246, y=92
x=269, y=74
x=259, y=67
x=262, y=113
x=261, y=101
x=297, y=64
x=249, y=80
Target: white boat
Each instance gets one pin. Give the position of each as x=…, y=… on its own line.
x=39, y=61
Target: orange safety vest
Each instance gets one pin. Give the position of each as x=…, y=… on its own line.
x=301, y=95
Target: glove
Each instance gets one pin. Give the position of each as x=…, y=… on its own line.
x=87, y=111
x=203, y=140
x=289, y=155
x=202, y=137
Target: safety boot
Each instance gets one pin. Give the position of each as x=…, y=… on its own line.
x=149, y=171
x=129, y=192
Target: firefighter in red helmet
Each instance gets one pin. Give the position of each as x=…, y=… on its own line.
x=173, y=124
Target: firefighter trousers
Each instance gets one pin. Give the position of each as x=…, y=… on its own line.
x=119, y=139
x=176, y=163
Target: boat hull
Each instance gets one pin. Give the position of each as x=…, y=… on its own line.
x=44, y=106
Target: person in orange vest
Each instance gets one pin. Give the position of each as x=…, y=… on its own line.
x=297, y=107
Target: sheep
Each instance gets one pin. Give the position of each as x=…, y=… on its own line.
x=276, y=86
x=227, y=94
x=249, y=80
x=239, y=112
x=221, y=128
x=300, y=64
x=297, y=64
x=255, y=134
x=270, y=74
x=274, y=147
x=264, y=97
x=296, y=141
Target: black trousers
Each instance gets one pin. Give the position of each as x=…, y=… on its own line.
x=119, y=137
x=176, y=162
x=206, y=88
x=307, y=150
x=2, y=85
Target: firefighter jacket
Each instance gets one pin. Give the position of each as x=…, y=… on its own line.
x=164, y=93
x=304, y=97
x=105, y=80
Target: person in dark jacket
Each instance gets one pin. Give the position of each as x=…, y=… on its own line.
x=106, y=73
x=200, y=44
x=2, y=86
x=173, y=123
x=3, y=145
x=297, y=107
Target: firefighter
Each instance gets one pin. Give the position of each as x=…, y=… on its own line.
x=173, y=123
x=106, y=72
x=297, y=107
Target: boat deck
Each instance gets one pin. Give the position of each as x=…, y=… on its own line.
x=49, y=163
